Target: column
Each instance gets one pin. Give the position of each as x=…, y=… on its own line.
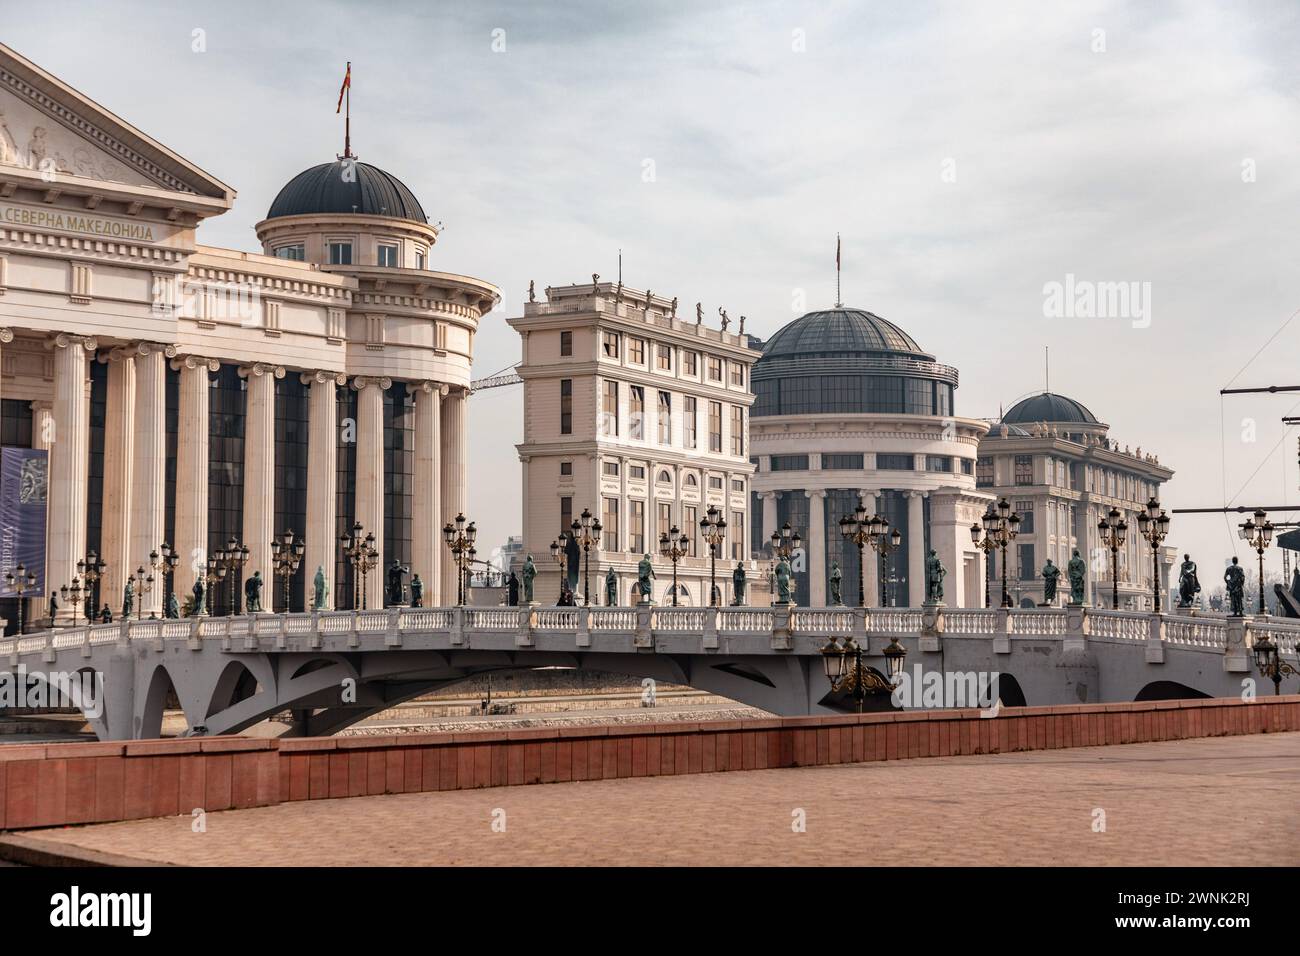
x=452, y=472
x=870, y=561
x=148, y=490
x=69, y=463
x=370, y=475
x=915, y=548
x=816, y=554
x=192, y=472
x=259, y=474
x=119, y=460
x=950, y=538
x=6, y=335
x=427, y=546
x=322, y=481
x=769, y=515
x=42, y=437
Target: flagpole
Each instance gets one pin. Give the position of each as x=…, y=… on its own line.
x=347, y=120
x=839, y=302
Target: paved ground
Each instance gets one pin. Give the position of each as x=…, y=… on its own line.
x=1218, y=801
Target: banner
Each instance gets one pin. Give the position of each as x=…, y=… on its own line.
x=24, y=487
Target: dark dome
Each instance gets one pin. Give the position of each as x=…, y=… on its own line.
x=1049, y=407
x=836, y=331
x=367, y=191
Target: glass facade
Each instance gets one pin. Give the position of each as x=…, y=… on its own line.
x=227, y=399
x=15, y=432
x=291, y=431
x=792, y=507
x=95, y=488
x=345, y=495
x=399, y=475
x=851, y=394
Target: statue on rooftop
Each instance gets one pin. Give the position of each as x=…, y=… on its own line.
x=723, y=312
x=699, y=313
x=595, y=282
x=674, y=307
x=532, y=291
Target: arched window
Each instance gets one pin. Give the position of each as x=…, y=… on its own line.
x=691, y=480
x=665, y=478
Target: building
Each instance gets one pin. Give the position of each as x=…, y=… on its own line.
x=851, y=409
x=1053, y=461
x=642, y=419
x=179, y=393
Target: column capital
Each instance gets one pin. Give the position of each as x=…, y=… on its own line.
x=383, y=383
x=149, y=348
x=6, y=336
x=815, y=493
x=258, y=369
x=915, y=493
x=195, y=361
x=320, y=377
x=65, y=339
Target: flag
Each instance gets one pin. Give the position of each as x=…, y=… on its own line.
x=347, y=83
x=837, y=252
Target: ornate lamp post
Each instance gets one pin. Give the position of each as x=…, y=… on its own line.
x=91, y=570
x=216, y=571
x=674, y=546
x=1112, y=530
x=20, y=580
x=986, y=542
x=71, y=591
x=460, y=539
x=286, y=556
x=1001, y=525
x=884, y=542
x=1153, y=524
x=586, y=532
x=1257, y=532
x=856, y=528
x=713, y=528
x=143, y=585
x=170, y=561
x=359, y=550
x=845, y=670
x=235, y=557
x=1269, y=664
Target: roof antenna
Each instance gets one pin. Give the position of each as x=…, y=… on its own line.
x=620, y=267
x=839, y=303
x=1047, y=371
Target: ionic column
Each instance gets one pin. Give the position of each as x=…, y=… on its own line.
x=426, y=501
x=42, y=437
x=453, y=471
x=370, y=475
x=915, y=548
x=816, y=547
x=322, y=480
x=769, y=514
x=192, y=471
x=6, y=335
x=148, y=473
x=259, y=473
x=69, y=463
x=119, y=460
x=870, y=560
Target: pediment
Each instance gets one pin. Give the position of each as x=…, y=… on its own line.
x=46, y=126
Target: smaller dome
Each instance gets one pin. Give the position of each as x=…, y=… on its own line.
x=361, y=189
x=1049, y=407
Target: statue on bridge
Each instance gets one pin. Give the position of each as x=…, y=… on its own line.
x=645, y=575
x=783, y=582
x=396, y=588
x=935, y=572
x=1189, y=585
x=1051, y=575
x=530, y=572
x=54, y=608
x=106, y=615
x=128, y=598
x=738, y=585
x=1235, y=579
x=417, y=591
x=512, y=589
x=253, y=593
x=198, y=608
x=171, y=610
x=321, y=589
x=836, y=580
x=611, y=588
x=1077, y=570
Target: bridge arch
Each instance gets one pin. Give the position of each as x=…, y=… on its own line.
x=1010, y=692
x=160, y=694
x=1169, y=690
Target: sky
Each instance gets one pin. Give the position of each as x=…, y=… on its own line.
x=971, y=155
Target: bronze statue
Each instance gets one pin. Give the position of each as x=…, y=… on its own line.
x=935, y=572
x=106, y=615
x=198, y=607
x=512, y=590
x=648, y=296
x=645, y=575
x=742, y=326
x=699, y=314
x=253, y=593
x=532, y=291
x=674, y=307
x=530, y=572
x=321, y=589
x=171, y=610
x=723, y=312
x=1077, y=571
x=738, y=585
x=1051, y=574
x=128, y=598
x=54, y=608
x=595, y=282
x=396, y=587
x=611, y=588
x=782, y=582
x=618, y=291
x=1189, y=585
x=417, y=591
x=836, y=580
x=1235, y=579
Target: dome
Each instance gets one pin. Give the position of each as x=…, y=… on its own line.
x=365, y=190
x=1049, y=407
x=840, y=330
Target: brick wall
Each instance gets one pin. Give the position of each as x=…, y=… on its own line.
x=59, y=784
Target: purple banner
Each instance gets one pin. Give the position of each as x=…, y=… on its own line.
x=24, y=487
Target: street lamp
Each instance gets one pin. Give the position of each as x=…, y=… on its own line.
x=216, y=572
x=20, y=580
x=987, y=543
x=1258, y=534
x=286, y=556
x=856, y=528
x=460, y=539
x=235, y=557
x=1112, y=530
x=884, y=542
x=1001, y=525
x=713, y=528
x=845, y=670
x=72, y=591
x=143, y=585
x=586, y=532
x=170, y=561
x=91, y=569
x=785, y=542
x=1269, y=664
x=359, y=550
x=674, y=546
x=560, y=555
x=1153, y=524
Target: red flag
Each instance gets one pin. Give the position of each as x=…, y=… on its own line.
x=837, y=252
x=347, y=83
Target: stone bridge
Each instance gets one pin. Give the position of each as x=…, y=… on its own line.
x=330, y=669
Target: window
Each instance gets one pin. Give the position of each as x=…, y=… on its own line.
x=738, y=536
x=665, y=514
x=388, y=255
x=665, y=418
x=566, y=406
x=636, y=351
x=967, y=466
x=636, y=412
x=690, y=480
x=1024, y=469
x=691, y=363
x=789, y=463
x=609, y=409
x=340, y=253
x=609, y=342
x=566, y=343
x=636, y=526
x=841, y=462
x=665, y=478
x=1026, y=511
x=566, y=469
x=297, y=252
x=738, y=431
x=421, y=258
x=984, y=473
x=896, y=462
x=737, y=484
x=689, y=425
x=938, y=463
x=664, y=355
x=715, y=427
x=715, y=369
x=566, y=512
x=609, y=522
x=715, y=482
x=737, y=374
x=610, y=468
x=636, y=471
x=1025, y=558
x=691, y=525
